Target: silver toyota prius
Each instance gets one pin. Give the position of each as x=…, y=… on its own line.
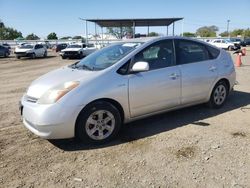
x=125, y=81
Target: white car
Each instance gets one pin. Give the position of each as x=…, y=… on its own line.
x=77, y=50
x=30, y=50
x=224, y=44
x=120, y=83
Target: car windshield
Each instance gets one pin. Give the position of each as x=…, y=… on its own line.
x=74, y=46
x=26, y=46
x=106, y=57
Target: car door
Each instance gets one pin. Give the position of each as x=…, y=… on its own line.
x=2, y=51
x=198, y=70
x=159, y=88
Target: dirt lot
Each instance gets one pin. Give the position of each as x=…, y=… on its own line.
x=193, y=147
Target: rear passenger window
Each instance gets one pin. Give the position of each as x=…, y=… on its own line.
x=190, y=52
x=213, y=52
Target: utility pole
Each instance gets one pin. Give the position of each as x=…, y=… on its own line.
x=228, y=28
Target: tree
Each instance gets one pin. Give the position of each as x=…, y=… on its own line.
x=117, y=31
x=77, y=37
x=224, y=34
x=32, y=36
x=52, y=36
x=247, y=33
x=189, y=34
x=1, y=24
x=66, y=38
x=207, y=31
x=8, y=33
x=237, y=32
x=153, y=34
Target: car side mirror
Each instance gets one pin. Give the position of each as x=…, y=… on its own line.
x=140, y=66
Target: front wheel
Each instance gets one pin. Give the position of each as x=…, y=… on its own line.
x=230, y=48
x=45, y=54
x=99, y=122
x=219, y=95
x=33, y=56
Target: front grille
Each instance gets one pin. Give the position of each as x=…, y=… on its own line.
x=70, y=53
x=20, y=53
x=30, y=99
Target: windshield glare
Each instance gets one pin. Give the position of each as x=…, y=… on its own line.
x=74, y=46
x=26, y=46
x=106, y=57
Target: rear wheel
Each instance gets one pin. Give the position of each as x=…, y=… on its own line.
x=18, y=57
x=6, y=54
x=99, y=122
x=219, y=95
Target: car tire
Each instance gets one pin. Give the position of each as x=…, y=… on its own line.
x=219, y=95
x=98, y=123
x=45, y=54
x=63, y=57
x=6, y=54
x=33, y=56
x=230, y=48
x=18, y=57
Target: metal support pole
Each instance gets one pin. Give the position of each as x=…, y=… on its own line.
x=173, y=28
x=167, y=30
x=102, y=36
x=121, y=32
x=182, y=26
x=133, y=29
x=148, y=30
x=86, y=29
x=228, y=28
x=95, y=35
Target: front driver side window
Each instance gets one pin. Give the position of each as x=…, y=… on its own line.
x=158, y=55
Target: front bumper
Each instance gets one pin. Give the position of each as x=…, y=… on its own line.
x=52, y=121
x=23, y=54
x=70, y=54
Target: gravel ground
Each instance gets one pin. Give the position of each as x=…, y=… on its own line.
x=192, y=147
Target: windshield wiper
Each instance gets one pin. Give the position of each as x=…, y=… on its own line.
x=84, y=67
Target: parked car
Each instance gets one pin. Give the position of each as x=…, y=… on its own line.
x=5, y=52
x=120, y=83
x=77, y=50
x=59, y=47
x=30, y=50
x=245, y=42
x=6, y=45
x=225, y=44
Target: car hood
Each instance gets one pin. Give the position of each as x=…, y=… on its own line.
x=56, y=77
x=71, y=49
x=22, y=50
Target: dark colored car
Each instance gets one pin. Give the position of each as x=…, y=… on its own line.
x=59, y=47
x=6, y=45
x=245, y=42
x=5, y=52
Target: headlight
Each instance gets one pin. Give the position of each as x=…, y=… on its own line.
x=54, y=94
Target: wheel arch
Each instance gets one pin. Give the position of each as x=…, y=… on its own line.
x=219, y=80
x=111, y=101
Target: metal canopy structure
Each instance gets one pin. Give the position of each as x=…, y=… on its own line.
x=142, y=22
x=134, y=22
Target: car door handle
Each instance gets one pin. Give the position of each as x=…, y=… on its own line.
x=174, y=76
x=212, y=68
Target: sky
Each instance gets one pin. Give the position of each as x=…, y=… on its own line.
x=62, y=17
